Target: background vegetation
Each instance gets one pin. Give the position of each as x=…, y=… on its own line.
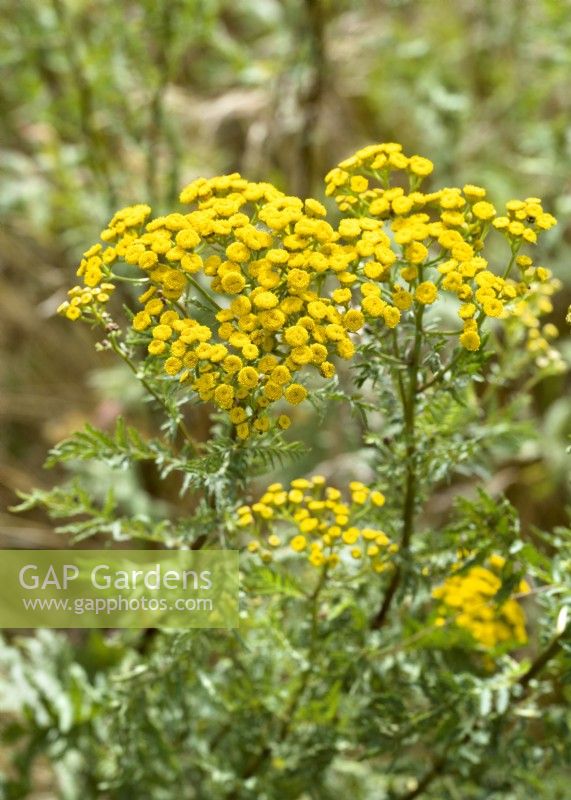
x=104, y=104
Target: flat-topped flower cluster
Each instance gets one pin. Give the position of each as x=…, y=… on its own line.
x=319, y=521
x=249, y=291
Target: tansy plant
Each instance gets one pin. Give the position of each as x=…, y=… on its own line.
x=385, y=649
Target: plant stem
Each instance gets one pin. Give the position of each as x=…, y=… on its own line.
x=541, y=660
x=298, y=694
x=408, y=396
x=430, y=776
x=286, y=723
x=459, y=351
x=442, y=371
x=204, y=293
x=508, y=269
x=133, y=367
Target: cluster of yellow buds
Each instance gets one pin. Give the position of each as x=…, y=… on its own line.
x=85, y=302
x=469, y=601
x=525, y=219
x=527, y=314
x=313, y=518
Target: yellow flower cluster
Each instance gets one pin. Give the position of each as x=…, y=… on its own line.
x=86, y=302
x=412, y=245
x=95, y=266
x=256, y=260
x=527, y=313
x=312, y=518
x=468, y=599
x=524, y=220
x=250, y=290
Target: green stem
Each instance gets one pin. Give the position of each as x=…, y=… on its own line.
x=284, y=729
x=114, y=277
x=442, y=371
x=541, y=660
x=434, y=772
x=511, y=263
x=204, y=293
x=408, y=396
x=460, y=351
x=314, y=643
x=116, y=347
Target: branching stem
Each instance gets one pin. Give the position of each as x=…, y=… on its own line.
x=408, y=397
x=116, y=347
x=204, y=293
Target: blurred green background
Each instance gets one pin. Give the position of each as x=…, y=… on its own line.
x=107, y=103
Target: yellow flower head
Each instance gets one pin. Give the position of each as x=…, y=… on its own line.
x=426, y=293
